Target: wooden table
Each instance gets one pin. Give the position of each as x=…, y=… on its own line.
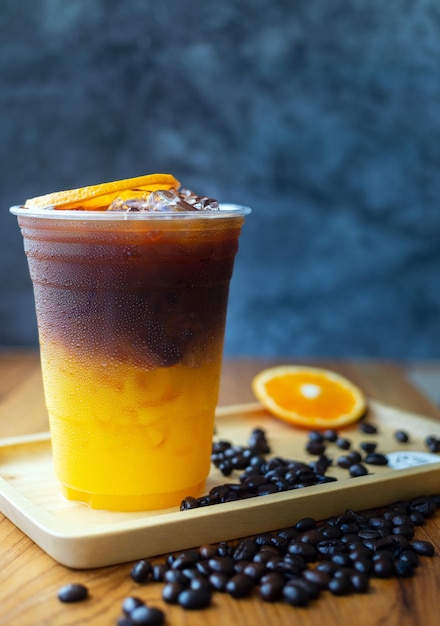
x=30, y=579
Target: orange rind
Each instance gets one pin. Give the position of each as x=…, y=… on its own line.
x=99, y=197
x=309, y=397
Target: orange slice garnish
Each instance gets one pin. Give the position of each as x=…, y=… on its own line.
x=99, y=197
x=309, y=397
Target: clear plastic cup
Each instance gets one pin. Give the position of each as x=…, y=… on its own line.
x=131, y=311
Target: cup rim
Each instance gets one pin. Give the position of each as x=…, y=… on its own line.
x=224, y=210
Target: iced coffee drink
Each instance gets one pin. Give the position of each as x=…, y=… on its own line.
x=131, y=304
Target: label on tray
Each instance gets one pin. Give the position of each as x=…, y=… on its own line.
x=403, y=459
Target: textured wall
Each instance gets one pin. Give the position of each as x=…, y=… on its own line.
x=322, y=116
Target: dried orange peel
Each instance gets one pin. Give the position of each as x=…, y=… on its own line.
x=99, y=197
x=309, y=397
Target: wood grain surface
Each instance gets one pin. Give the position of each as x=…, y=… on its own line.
x=30, y=579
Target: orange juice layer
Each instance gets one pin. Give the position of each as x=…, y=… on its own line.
x=128, y=438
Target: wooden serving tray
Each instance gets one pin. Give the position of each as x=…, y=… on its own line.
x=80, y=537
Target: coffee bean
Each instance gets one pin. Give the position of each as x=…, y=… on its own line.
x=222, y=565
x=141, y=571
x=171, y=592
x=358, y=469
x=147, y=615
x=185, y=559
x=219, y=581
x=295, y=595
x=193, y=599
x=383, y=567
x=239, y=585
x=271, y=590
x=320, y=578
x=367, y=428
x=343, y=443
x=424, y=548
x=315, y=447
x=401, y=436
x=360, y=582
x=73, y=592
x=130, y=603
x=340, y=586
x=375, y=458
x=330, y=435
x=368, y=446
x=306, y=523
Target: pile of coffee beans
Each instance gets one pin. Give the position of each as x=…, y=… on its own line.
x=259, y=475
x=296, y=565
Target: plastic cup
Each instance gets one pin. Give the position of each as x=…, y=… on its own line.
x=131, y=311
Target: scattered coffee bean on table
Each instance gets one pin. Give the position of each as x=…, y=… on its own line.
x=73, y=592
x=298, y=564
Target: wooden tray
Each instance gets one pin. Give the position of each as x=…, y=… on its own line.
x=79, y=537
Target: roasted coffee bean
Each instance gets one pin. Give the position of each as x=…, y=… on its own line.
x=403, y=569
x=424, y=548
x=317, y=577
x=383, y=567
x=340, y=586
x=316, y=435
x=299, y=548
x=344, y=444
x=406, y=531
x=363, y=565
x=189, y=503
x=73, y=592
x=375, y=458
x=313, y=536
x=344, y=461
x=312, y=589
x=158, y=573
x=417, y=518
x=306, y=523
x=141, y=571
x=425, y=506
x=360, y=581
x=368, y=446
x=255, y=570
x=222, y=565
x=354, y=456
x=367, y=428
x=358, y=469
x=239, y=586
x=315, y=447
x=174, y=576
x=401, y=436
x=271, y=589
x=410, y=556
x=171, y=592
x=219, y=581
x=330, y=435
x=200, y=583
x=130, y=603
x=147, y=615
x=295, y=595
x=193, y=599
x=340, y=558
x=245, y=550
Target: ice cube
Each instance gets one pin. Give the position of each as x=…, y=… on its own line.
x=130, y=205
x=165, y=200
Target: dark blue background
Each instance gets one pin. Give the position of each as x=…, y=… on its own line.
x=324, y=117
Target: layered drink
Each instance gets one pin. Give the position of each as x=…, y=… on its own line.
x=131, y=307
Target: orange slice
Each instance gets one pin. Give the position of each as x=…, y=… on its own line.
x=99, y=197
x=309, y=397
